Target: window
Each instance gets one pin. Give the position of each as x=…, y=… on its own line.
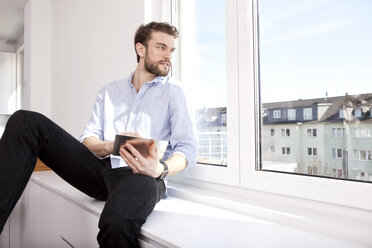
x=284, y=65
x=291, y=114
x=277, y=114
x=198, y=65
x=341, y=113
x=286, y=151
x=272, y=149
x=362, y=133
x=209, y=74
x=223, y=119
x=308, y=114
x=272, y=132
x=291, y=34
x=338, y=132
x=311, y=132
x=361, y=175
x=312, y=151
x=338, y=173
x=285, y=132
x=358, y=112
x=337, y=152
x=363, y=155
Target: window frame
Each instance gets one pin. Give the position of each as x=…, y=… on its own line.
x=242, y=31
x=291, y=113
x=268, y=181
x=226, y=175
x=359, y=112
x=308, y=114
x=277, y=114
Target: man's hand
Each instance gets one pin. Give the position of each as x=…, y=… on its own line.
x=149, y=166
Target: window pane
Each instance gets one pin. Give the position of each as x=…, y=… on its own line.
x=204, y=70
x=314, y=58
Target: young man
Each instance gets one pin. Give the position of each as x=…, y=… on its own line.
x=148, y=104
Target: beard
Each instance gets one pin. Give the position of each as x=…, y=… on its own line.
x=153, y=67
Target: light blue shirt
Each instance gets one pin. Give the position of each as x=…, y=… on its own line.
x=159, y=110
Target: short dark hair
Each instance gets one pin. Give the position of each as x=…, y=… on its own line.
x=144, y=32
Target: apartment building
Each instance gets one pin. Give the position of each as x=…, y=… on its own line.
x=324, y=136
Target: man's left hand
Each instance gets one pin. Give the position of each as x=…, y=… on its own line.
x=149, y=166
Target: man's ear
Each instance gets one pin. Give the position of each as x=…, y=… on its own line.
x=141, y=49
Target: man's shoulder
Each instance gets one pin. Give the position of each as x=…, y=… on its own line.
x=176, y=85
x=115, y=85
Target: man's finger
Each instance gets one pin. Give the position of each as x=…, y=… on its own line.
x=129, y=160
x=134, y=151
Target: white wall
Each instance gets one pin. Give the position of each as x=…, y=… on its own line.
x=7, y=82
x=36, y=85
x=73, y=48
x=92, y=44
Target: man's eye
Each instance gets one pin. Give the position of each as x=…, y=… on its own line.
x=161, y=48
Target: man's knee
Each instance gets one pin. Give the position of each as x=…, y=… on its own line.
x=23, y=115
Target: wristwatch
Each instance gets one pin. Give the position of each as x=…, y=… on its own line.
x=165, y=172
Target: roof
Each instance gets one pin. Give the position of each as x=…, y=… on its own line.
x=333, y=104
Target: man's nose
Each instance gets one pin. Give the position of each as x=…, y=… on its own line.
x=168, y=55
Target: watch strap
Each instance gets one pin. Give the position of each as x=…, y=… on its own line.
x=165, y=172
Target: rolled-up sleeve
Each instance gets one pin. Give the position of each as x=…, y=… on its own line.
x=94, y=128
x=183, y=132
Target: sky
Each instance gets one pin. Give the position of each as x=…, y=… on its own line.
x=312, y=48
x=211, y=51
x=307, y=49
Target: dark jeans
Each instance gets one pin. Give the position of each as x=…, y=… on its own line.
x=130, y=198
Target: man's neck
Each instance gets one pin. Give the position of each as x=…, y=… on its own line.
x=141, y=76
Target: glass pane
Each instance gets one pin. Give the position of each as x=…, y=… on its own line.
x=202, y=63
x=315, y=59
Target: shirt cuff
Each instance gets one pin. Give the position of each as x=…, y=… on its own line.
x=87, y=135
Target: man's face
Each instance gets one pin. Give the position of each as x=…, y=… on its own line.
x=158, y=53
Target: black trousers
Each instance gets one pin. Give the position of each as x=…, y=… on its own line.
x=130, y=198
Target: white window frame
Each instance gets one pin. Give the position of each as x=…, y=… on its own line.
x=308, y=113
x=291, y=114
x=312, y=149
x=226, y=175
x=277, y=114
x=335, y=151
x=243, y=141
x=358, y=155
x=341, y=113
x=280, y=183
x=272, y=132
x=358, y=112
x=272, y=149
x=311, y=132
x=287, y=151
x=285, y=132
x=362, y=133
x=338, y=132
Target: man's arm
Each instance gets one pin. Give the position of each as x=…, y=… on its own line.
x=100, y=148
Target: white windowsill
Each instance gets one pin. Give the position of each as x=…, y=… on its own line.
x=223, y=216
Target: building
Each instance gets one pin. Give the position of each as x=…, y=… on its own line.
x=322, y=136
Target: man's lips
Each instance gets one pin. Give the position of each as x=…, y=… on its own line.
x=165, y=63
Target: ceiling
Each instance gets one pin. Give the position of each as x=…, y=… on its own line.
x=11, y=20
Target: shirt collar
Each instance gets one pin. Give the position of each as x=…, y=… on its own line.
x=158, y=79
